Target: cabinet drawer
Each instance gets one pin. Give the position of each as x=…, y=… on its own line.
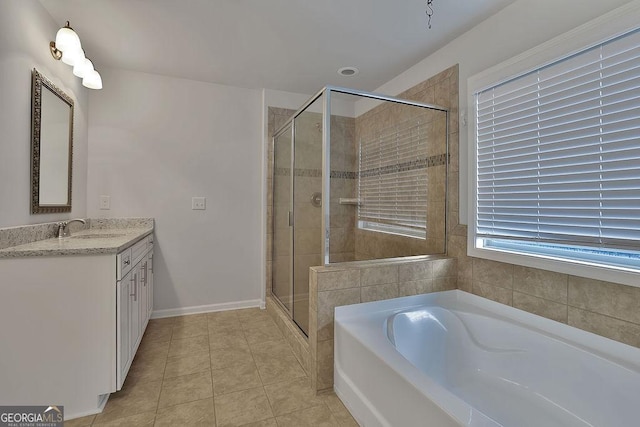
x=138, y=250
x=124, y=262
x=129, y=257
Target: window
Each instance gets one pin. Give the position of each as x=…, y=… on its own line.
x=557, y=162
x=392, y=184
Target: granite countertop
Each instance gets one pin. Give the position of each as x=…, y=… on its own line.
x=109, y=239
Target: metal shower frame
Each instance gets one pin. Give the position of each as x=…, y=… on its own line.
x=326, y=149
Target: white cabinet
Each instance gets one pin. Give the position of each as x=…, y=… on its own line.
x=146, y=290
x=123, y=327
x=67, y=330
x=135, y=302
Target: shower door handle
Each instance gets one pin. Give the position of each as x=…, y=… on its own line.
x=290, y=219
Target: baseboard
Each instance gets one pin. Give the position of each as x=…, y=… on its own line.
x=171, y=312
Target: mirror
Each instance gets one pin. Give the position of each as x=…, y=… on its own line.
x=51, y=147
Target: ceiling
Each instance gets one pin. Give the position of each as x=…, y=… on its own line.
x=291, y=45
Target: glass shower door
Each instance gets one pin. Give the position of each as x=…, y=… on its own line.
x=307, y=229
x=297, y=211
x=282, y=249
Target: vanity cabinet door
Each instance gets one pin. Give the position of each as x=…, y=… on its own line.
x=123, y=291
x=150, y=285
x=144, y=293
x=134, y=310
x=134, y=307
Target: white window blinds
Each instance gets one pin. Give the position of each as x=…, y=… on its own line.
x=392, y=184
x=558, y=151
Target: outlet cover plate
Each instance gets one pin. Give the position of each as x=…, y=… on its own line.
x=198, y=203
x=105, y=202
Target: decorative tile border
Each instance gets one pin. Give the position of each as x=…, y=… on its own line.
x=344, y=174
x=427, y=162
x=314, y=173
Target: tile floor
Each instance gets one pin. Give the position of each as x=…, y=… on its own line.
x=230, y=368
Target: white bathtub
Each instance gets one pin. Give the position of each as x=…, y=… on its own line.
x=452, y=358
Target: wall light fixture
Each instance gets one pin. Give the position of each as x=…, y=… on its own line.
x=67, y=48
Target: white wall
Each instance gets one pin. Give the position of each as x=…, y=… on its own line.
x=157, y=141
x=517, y=28
x=26, y=29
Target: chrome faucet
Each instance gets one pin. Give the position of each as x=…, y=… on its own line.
x=63, y=227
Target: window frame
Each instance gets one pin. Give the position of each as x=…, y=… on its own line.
x=609, y=26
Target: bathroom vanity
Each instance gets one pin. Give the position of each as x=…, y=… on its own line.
x=72, y=314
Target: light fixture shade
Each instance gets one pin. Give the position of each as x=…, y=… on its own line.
x=83, y=68
x=72, y=56
x=67, y=39
x=92, y=80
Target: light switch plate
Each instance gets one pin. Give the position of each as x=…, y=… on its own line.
x=198, y=203
x=105, y=202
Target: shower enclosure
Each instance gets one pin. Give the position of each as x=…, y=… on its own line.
x=356, y=176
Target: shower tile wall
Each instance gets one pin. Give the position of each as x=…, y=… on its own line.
x=344, y=164
x=353, y=283
x=604, y=308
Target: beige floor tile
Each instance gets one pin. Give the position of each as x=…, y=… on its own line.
x=230, y=356
x=143, y=419
x=153, y=349
x=271, y=422
x=278, y=348
x=246, y=314
x=276, y=362
x=184, y=365
x=242, y=407
x=186, y=388
x=190, y=318
x=274, y=370
x=236, y=378
x=80, y=422
x=226, y=325
x=261, y=319
x=163, y=321
x=262, y=333
x=188, y=346
x=226, y=339
x=190, y=329
x=239, y=355
x=158, y=332
x=132, y=399
x=346, y=420
x=338, y=410
x=290, y=396
x=222, y=315
x=319, y=416
x=198, y=413
x=146, y=369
